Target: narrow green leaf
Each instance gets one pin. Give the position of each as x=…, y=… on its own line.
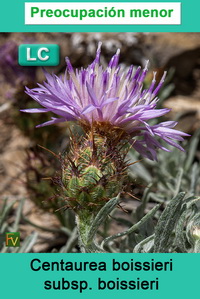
x=133, y=228
x=167, y=222
x=101, y=217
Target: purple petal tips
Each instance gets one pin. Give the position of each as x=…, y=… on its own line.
x=110, y=96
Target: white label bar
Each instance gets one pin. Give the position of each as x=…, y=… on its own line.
x=102, y=13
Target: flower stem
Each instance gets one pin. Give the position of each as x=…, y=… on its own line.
x=84, y=223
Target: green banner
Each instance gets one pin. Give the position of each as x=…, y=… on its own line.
x=96, y=275
x=59, y=275
x=13, y=17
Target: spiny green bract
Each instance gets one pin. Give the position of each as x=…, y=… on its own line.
x=93, y=172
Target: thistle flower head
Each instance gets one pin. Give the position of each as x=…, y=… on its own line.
x=93, y=172
x=109, y=100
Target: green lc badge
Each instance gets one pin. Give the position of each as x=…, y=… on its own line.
x=38, y=54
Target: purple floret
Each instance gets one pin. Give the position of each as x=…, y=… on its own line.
x=111, y=96
x=12, y=72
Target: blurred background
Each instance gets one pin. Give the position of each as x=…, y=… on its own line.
x=28, y=202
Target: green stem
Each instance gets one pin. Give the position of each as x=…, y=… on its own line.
x=84, y=224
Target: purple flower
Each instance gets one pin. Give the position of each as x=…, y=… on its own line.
x=12, y=72
x=94, y=95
